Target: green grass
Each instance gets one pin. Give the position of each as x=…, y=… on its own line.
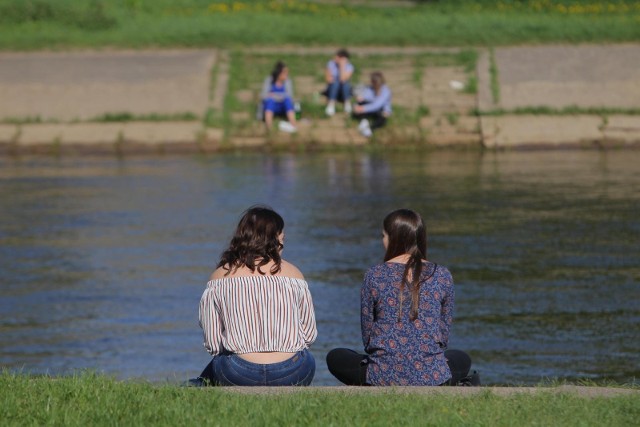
x=493, y=72
x=89, y=399
x=24, y=120
x=130, y=117
x=39, y=24
x=110, y=118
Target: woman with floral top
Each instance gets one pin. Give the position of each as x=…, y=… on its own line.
x=406, y=314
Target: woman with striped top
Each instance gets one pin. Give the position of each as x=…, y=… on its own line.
x=256, y=312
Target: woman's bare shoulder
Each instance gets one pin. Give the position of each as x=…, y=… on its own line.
x=290, y=270
x=219, y=273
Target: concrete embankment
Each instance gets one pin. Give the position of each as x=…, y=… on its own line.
x=70, y=102
x=583, y=391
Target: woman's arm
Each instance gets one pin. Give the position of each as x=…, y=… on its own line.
x=346, y=70
x=210, y=323
x=266, y=88
x=305, y=306
x=381, y=101
x=308, y=318
x=446, y=314
x=328, y=72
x=366, y=310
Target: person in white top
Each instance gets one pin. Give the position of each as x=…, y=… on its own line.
x=277, y=99
x=256, y=312
x=374, y=105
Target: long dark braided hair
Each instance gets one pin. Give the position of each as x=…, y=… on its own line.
x=407, y=235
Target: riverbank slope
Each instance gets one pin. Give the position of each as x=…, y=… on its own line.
x=164, y=101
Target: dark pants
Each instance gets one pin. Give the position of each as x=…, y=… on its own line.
x=376, y=119
x=350, y=367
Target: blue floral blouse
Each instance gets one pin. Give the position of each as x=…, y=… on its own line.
x=405, y=352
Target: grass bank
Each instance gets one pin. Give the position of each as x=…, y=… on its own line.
x=90, y=399
x=46, y=24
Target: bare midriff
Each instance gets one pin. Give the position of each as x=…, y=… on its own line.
x=266, y=357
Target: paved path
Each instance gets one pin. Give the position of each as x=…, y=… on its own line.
x=563, y=76
x=67, y=90
x=85, y=85
x=558, y=77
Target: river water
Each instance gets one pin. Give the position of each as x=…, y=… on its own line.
x=103, y=261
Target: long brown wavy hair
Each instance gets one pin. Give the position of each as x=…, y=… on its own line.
x=255, y=242
x=407, y=235
x=277, y=70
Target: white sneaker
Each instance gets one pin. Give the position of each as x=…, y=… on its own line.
x=347, y=107
x=287, y=127
x=364, y=128
x=330, y=110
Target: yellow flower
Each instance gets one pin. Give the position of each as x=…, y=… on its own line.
x=218, y=8
x=237, y=7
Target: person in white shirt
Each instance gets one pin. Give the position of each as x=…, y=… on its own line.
x=277, y=99
x=256, y=312
x=338, y=73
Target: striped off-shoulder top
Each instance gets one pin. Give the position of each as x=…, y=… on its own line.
x=252, y=314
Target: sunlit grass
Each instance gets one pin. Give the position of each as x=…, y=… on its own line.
x=38, y=24
x=89, y=399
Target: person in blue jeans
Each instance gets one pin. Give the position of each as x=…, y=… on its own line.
x=338, y=74
x=277, y=98
x=256, y=312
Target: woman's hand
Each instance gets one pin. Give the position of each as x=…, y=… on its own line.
x=276, y=96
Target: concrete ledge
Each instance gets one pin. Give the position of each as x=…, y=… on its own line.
x=557, y=131
x=508, y=131
x=582, y=391
x=109, y=137
x=623, y=129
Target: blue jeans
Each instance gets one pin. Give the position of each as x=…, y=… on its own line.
x=231, y=369
x=340, y=91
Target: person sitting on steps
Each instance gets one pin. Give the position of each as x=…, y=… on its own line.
x=338, y=73
x=374, y=105
x=277, y=98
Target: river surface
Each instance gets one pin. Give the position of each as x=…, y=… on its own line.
x=103, y=261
